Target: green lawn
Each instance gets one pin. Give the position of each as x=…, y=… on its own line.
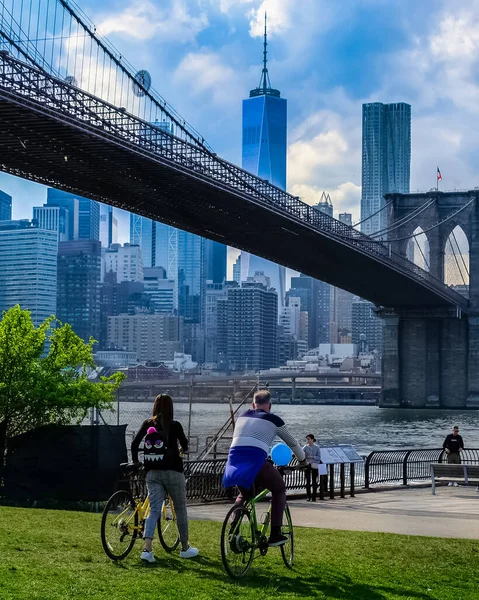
x=54, y=555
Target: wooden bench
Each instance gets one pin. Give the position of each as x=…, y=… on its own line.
x=446, y=472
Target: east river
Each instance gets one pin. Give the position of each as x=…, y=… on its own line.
x=367, y=428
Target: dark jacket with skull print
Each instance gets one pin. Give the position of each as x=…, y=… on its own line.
x=160, y=451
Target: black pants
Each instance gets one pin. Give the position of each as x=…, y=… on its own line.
x=311, y=474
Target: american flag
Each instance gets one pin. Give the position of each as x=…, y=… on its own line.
x=439, y=176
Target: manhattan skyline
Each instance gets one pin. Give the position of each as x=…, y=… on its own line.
x=327, y=61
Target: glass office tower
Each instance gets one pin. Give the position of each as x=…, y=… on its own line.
x=264, y=154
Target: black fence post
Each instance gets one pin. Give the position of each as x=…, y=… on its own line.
x=366, y=470
x=331, y=482
x=404, y=467
x=342, y=479
x=352, y=476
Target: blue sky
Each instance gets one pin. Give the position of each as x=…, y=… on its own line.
x=327, y=57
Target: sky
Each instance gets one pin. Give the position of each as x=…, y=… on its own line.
x=327, y=58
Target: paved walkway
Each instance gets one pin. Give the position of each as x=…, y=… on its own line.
x=453, y=512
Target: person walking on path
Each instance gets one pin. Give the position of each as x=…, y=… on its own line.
x=453, y=445
x=164, y=472
x=313, y=457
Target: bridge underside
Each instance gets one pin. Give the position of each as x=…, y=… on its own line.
x=43, y=146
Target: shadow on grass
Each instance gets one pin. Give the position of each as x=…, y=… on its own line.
x=332, y=583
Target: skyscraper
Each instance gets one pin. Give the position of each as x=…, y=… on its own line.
x=386, y=159
x=157, y=242
x=83, y=214
x=191, y=276
x=5, y=207
x=264, y=154
x=53, y=218
x=108, y=226
x=215, y=261
x=247, y=325
x=28, y=276
x=367, y=327
x=79, y=277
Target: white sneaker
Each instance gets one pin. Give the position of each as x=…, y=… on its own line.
x=477, y=489
x=450, y=484
x=455, y=484
x=190, y=553
x=148, y=556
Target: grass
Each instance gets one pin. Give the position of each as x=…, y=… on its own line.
x=53, y=555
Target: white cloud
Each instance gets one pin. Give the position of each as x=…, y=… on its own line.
x=206, y=75
x=144, y=20
x=227, y=5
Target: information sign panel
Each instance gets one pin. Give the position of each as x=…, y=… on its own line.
x=339, y=454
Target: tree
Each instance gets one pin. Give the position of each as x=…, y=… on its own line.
x=38, y=388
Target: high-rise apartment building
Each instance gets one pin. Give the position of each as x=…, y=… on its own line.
x=28, y=275
x=126, y=261
x=126, y=297
x=79, y=279
x=237, y=270
x=214, y=291
x=153, y=338
x=264, y=154
x=83, y=214
x=53, y=218
x=108, y=226
x=160, y=291
x=386, y=159
x=5, y=207
x=247, y=326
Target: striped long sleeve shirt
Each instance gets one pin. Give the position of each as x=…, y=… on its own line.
x=258, y=428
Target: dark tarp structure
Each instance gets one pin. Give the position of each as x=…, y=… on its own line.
x=65, y=462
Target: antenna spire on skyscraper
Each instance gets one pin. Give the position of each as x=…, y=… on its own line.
x=264, y=88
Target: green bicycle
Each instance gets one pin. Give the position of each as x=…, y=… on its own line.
x=242, y=534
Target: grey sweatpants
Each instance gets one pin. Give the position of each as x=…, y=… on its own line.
x=159, y=483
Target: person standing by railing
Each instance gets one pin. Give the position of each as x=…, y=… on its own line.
x=453, y=445
x=313, y=457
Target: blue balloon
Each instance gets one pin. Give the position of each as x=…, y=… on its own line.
x=281, y=455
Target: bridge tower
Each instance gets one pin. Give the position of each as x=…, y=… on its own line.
x=431, y=357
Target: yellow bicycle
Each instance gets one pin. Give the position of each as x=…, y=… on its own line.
x=125, y=513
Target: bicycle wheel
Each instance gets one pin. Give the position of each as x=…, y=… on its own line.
x=119, y=525
x=167, y=527
x=237, y=542
x=287, y=549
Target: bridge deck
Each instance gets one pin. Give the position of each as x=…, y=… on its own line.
x=64, y=144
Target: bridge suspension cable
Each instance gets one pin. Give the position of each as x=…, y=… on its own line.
x=57, y=37
x=373, y=215
x=445, y=220
x=406, y=219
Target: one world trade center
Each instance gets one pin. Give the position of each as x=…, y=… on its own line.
x=264, y=155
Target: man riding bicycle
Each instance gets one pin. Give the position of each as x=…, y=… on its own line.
x=247, y=462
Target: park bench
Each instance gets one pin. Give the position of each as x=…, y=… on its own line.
x=446, y=472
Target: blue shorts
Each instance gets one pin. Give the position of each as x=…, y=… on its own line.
x=244, y=463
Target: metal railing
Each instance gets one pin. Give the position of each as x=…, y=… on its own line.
x=404, y=466
x=385, y=466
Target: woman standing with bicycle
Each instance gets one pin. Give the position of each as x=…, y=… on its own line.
x=164, y=471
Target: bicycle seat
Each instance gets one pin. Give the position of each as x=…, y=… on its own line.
x=130, y=467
